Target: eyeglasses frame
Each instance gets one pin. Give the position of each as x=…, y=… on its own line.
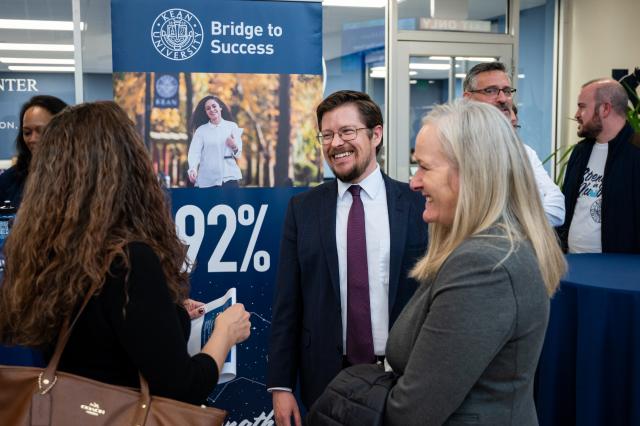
x=508, y=91
x=320, y=136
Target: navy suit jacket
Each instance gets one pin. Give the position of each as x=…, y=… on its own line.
x=306, y=330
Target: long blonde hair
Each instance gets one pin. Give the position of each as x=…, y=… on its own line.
x=91, y=190
x=496, y=185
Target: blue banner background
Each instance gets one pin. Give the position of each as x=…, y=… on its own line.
x=147, y=37
x=245, y=397
x=296, y=51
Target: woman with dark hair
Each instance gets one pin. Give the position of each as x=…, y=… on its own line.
x=102, y=222
x=215, y=147
x=35, y=114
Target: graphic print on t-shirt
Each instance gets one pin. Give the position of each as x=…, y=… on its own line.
x=591, y=188
x=585, y=230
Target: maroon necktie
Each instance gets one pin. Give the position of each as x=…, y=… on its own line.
x=359, y=335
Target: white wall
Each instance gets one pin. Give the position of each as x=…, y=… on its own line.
x=596, y=36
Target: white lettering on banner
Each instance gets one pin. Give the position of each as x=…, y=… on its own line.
x=7, y=125
x=177, y=34
x=262, y=420
x=241, y=29
x=160, y=102
x=274, y=31
x=246, y=32
x=241, y=48
x=245, y=216
x=18, y=85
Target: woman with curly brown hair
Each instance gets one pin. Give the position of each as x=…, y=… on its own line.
x=94, y=216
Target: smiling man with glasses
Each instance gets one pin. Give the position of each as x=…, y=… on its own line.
x=346, y=250
x=489, y=82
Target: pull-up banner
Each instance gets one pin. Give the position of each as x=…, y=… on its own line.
x=229, y=36
x=224, y=94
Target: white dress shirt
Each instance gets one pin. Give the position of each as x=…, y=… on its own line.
x=550, y=195
x=376, y=216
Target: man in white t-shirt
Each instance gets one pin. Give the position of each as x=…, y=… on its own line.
x=489, y=82
x=602, y=181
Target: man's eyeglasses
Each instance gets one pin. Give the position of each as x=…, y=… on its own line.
x=495, y=91
x=346, y=134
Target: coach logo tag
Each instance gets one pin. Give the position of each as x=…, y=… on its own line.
x=93, y=409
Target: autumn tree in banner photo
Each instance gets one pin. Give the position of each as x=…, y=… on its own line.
x=306, y=95
x=128, y=89
x=276, y=112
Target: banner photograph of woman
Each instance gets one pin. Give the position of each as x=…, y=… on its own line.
x=215, y=147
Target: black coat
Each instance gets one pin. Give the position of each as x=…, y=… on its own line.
x=620, y=191
x=306, y=331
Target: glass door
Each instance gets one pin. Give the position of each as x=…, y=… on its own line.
x=426, y=74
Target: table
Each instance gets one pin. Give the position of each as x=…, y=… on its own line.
x=589, y=370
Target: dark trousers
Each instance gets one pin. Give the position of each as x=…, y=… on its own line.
x=231, y=184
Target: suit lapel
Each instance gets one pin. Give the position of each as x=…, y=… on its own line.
x=397, y=206
x=327, y=211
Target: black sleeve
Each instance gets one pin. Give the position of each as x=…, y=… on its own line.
x=151, y=334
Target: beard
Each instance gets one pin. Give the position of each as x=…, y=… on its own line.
x=352, y=174
x=592, y=128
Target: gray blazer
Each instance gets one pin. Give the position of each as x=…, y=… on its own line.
x=468, y=342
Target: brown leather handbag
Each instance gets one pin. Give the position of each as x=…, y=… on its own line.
x=46, y=397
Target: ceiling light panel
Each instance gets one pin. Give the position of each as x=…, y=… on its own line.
x=37, y=47
x=40, y=68
x=29, y=24
x=43, y=61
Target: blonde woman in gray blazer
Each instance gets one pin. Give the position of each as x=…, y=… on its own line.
x=467, y=344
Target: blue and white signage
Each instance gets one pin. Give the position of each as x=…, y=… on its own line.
x=233, y=234
x=225, y=36
x=166, y=95
x=177, y=34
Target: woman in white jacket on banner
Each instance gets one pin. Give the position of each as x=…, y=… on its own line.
x=215, y=147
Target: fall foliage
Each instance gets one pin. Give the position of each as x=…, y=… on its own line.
x=255, y=102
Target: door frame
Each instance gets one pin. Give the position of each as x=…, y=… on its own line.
x=401, y=44
x=398, y=147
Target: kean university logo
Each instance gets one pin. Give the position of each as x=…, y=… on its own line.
x=177, y=34
x=167, y=86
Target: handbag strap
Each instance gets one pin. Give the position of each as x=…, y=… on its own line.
x=48, y=376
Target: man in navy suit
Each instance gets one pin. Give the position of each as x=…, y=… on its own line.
x=309, y=329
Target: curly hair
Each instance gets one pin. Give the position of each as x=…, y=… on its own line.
x=51, y=104
x=91, y=191
x=199, y=116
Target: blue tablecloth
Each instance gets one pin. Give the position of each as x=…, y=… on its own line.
x=589, y=370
